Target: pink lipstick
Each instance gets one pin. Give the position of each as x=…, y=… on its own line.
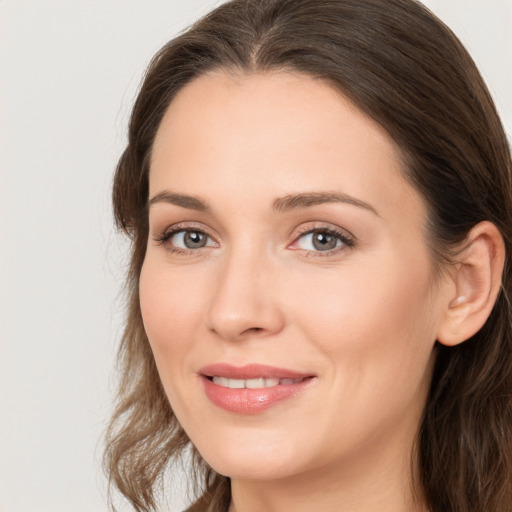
x=253, y=388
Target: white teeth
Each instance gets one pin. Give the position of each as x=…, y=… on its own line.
x=236, y=383
x=257, y=383
x=221, y=381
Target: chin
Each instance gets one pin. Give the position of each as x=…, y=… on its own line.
x=251, y=459
x=252, y=470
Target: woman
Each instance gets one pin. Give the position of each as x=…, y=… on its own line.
x=319, y=198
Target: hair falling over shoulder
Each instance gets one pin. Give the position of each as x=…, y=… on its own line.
x=404, y=68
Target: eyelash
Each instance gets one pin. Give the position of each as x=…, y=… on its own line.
x=347, y=240
x=164, y=238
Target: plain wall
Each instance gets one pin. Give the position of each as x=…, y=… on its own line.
x=69, y=71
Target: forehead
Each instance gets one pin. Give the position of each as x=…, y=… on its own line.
x=262, y=110
x=276, y=132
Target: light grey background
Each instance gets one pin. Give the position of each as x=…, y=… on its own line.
x=69, y=71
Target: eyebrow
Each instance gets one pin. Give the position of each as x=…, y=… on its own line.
x=280, y=205
x=183, y=200
x=307, y=199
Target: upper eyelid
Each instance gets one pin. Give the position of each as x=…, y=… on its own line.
x=296, y=233
x=165, y=236
x=347, y=239
x=327, y=227
x=175, y=228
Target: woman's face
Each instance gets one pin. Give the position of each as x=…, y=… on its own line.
x=287, y=291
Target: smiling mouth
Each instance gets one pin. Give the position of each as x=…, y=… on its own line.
x=253, y=388
x=257, y=383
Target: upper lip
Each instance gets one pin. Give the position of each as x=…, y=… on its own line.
x=250, y=371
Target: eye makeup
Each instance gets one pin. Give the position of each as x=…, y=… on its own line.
x=318, y=240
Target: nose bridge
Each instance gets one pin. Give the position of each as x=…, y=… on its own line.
x=243, y=301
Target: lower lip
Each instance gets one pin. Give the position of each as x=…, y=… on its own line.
x=251, y=401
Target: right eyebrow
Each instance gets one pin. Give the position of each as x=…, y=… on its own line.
x=183, y=200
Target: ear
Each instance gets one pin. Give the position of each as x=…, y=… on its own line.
x=477, y=280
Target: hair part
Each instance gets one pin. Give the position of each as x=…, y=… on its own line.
x=406, y=70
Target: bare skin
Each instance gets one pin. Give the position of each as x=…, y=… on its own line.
x=339, y=287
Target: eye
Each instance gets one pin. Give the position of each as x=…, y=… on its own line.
x=185, y=240
x=323, y=240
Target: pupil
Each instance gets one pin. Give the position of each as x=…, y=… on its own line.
x=193, y=239
x=323, y=241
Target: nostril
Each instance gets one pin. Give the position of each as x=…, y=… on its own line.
x=254, y=329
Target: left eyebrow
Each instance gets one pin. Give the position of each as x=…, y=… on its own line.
x=307, y=199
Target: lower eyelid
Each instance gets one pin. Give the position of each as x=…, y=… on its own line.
x=166, y=236
x=182, y=233
x=345, y=239
x=338, y=239
x=165, y=240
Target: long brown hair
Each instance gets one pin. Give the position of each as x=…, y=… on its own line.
x=405, y=69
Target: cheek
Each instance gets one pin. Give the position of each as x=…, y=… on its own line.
x=376, y=336
x=373, y=325
x=170, y=306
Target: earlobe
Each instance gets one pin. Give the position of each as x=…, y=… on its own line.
x=477, y=280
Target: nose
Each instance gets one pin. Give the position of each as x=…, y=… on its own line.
x=244, y=303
